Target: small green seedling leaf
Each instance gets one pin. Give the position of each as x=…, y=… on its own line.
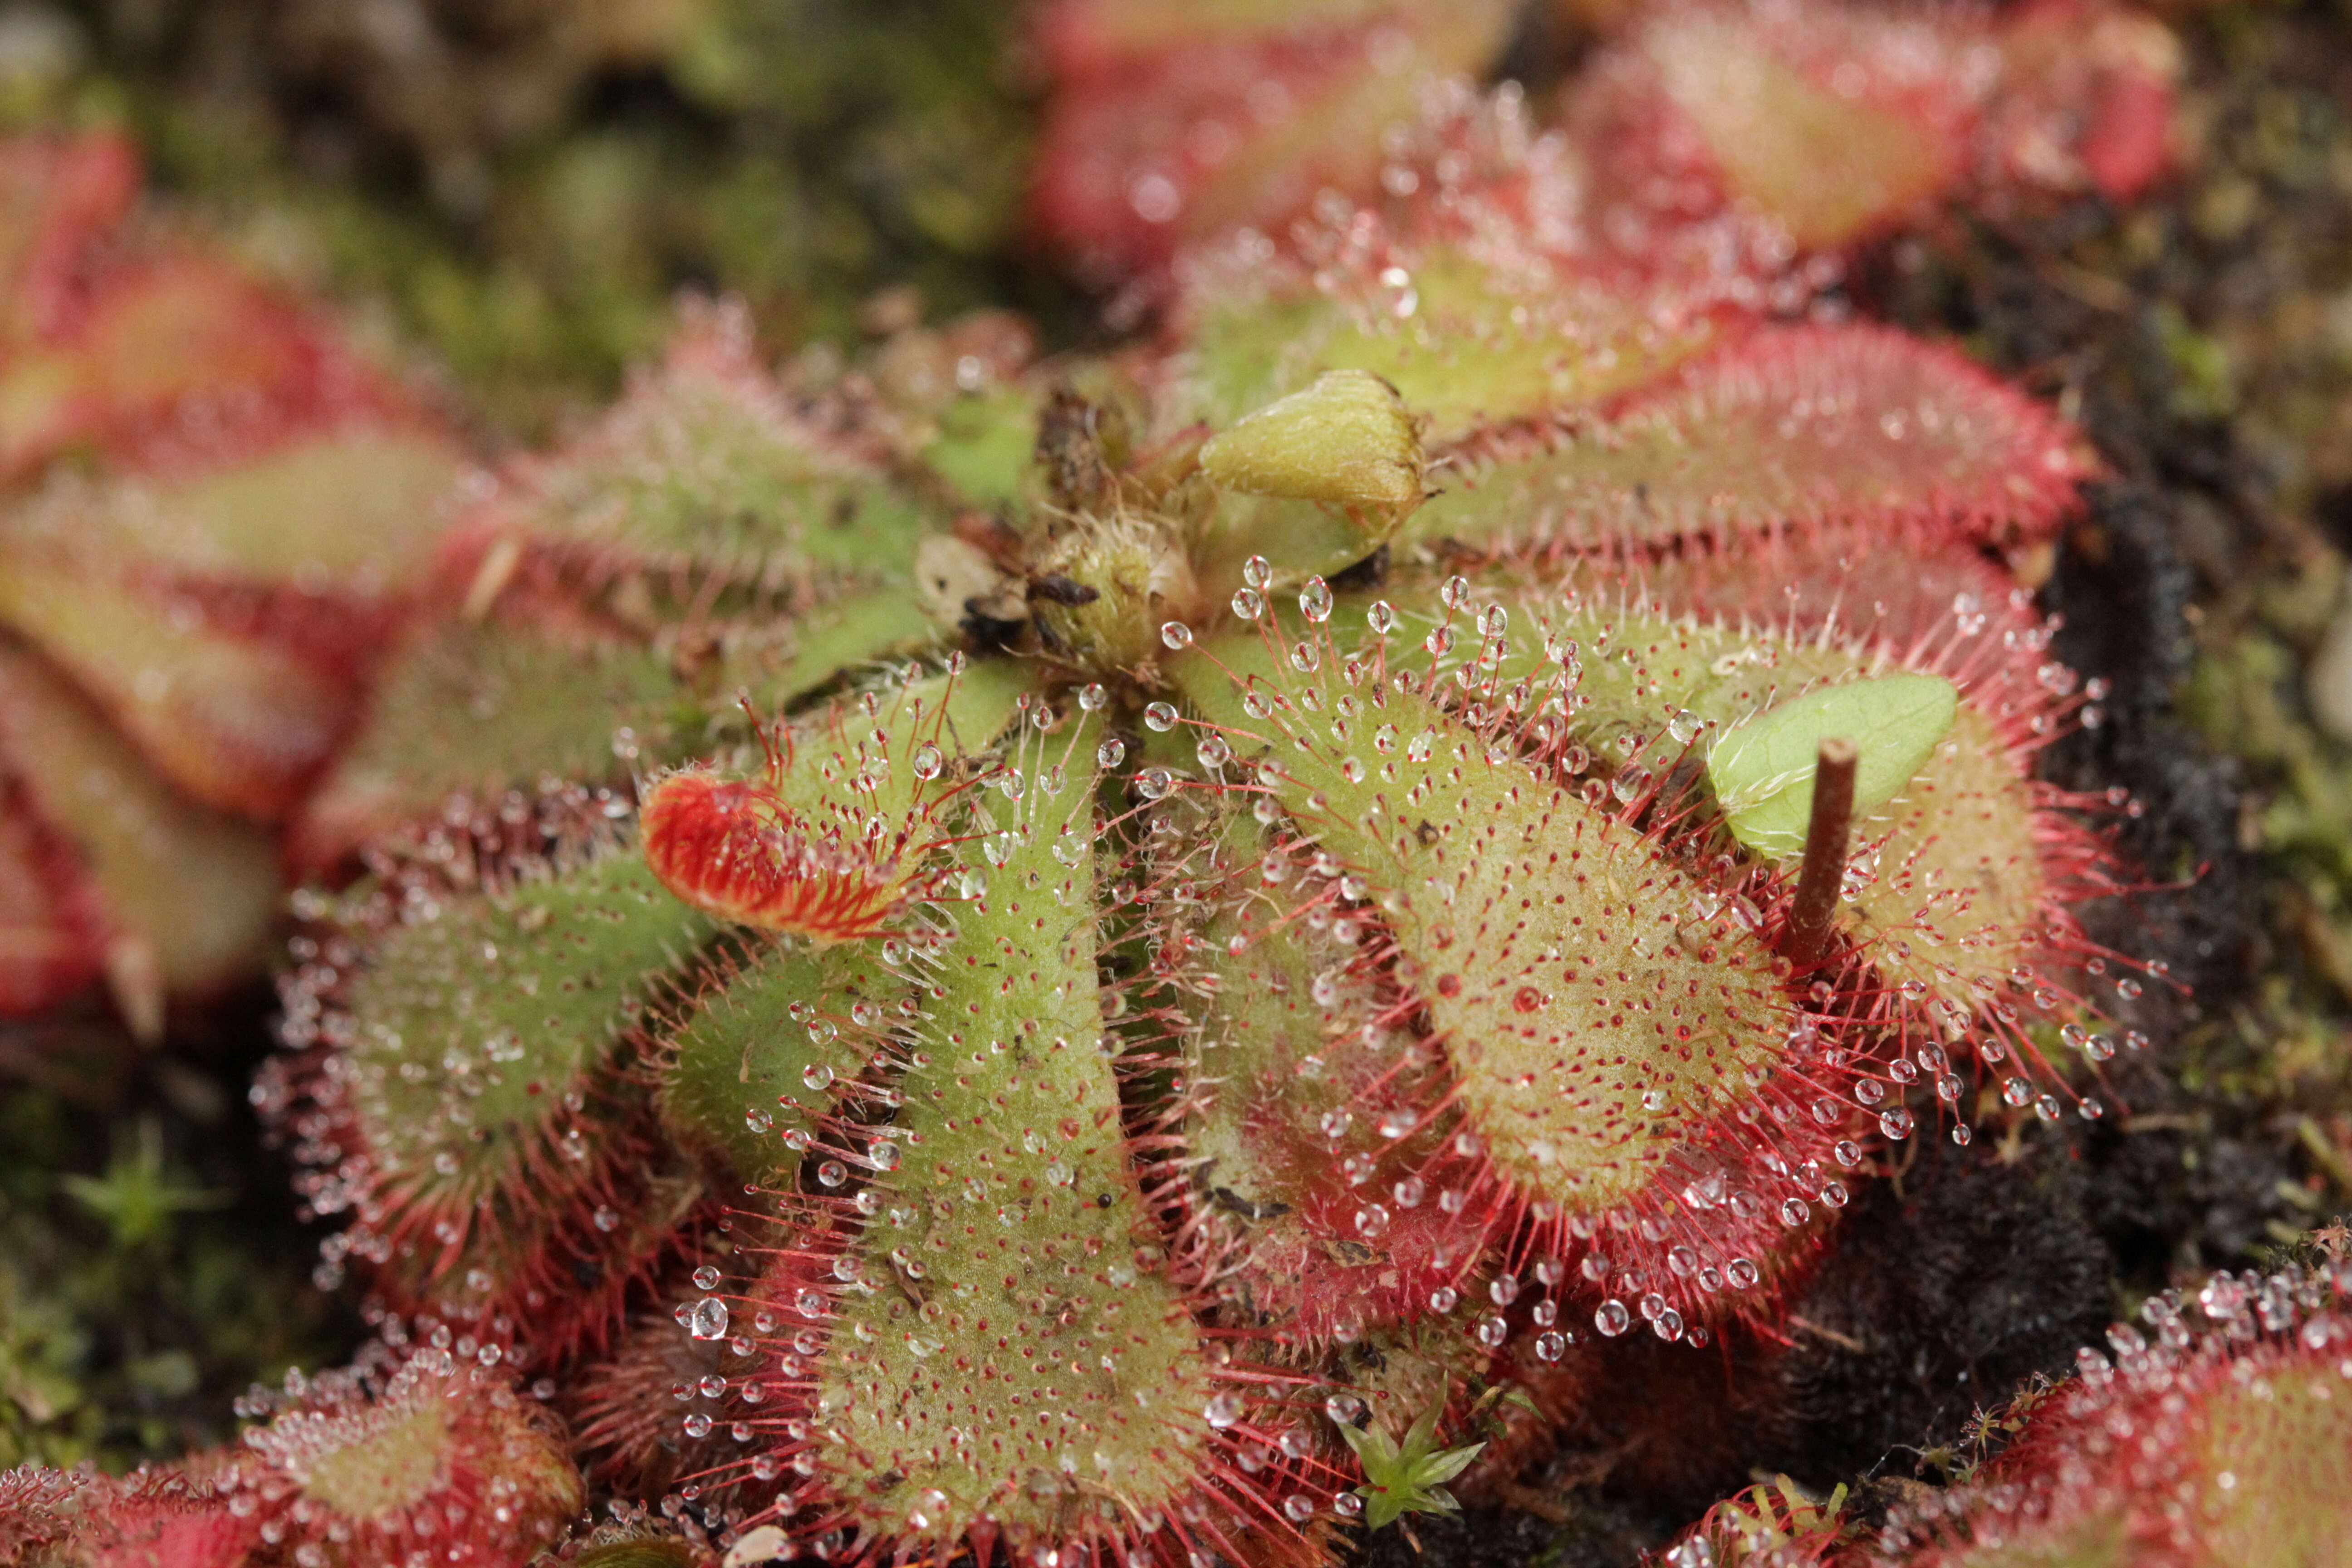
x=1763, y=770
x=1509, y=1394
x=1410, y=1477
x=138, y=1197
x=1345, y=441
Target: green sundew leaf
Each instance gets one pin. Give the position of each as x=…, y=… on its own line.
x=670, y=1553
x=963, y=714
x=1024, y=1216
x=708, y=461
x=258, y=521
x=985, y=446
x=1788, y=427
x=745, y=1070
x=1594, y=1134
x=1829, y=166
x=471, y=1025
x=468, y=708
x=1480, y=348
x=1763, y=770
x=235, y=720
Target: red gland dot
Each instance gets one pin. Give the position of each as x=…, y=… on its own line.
x=1449, y=985
x=1526, y=1000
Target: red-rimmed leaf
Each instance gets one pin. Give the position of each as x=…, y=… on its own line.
x=59, y=197
x=2091, y=96
x=1832, y=124
x=1162, y=135
x=53, y=930
x=225, y=620
x=1792, y=427
x=186, y=895
x=177, y=361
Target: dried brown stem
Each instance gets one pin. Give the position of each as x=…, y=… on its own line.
x=1826, y=838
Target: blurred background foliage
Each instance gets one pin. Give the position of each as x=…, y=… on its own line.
x=522, y=185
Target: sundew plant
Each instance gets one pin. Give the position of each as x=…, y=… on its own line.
x=1125, y=957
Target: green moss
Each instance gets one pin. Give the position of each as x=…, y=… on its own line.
x=2242, y=696
x=142, y=1282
